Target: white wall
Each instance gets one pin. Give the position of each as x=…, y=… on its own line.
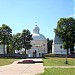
x=56, y=49
x=40, y=43
x=39, y=47
x=1, y=49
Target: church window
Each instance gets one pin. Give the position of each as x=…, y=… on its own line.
x=39, y=54
x=43, y=44
x=61, y=46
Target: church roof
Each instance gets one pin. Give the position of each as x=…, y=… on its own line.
x=36, y=34
x=38, y=37
x=57, y=40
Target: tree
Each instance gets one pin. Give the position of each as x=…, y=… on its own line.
x=49, y=45
x=66, y=30
x=16, y=42
x=26, y=38
x=21, y=40
x=5, y=36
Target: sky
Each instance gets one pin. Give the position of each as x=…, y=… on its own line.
x=22, y=14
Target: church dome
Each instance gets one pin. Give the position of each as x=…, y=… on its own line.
x=36, y=35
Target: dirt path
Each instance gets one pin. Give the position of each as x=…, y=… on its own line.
x=22, y=69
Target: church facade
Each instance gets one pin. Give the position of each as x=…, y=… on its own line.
x=39, y=44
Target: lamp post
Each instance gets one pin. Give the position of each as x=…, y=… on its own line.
x=67, y=50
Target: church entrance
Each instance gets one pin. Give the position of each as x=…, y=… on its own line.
x=35, y=53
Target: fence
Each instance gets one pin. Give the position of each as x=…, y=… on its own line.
x=14, y=55
x=59, y=55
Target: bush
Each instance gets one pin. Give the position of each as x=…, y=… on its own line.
x=54, y=55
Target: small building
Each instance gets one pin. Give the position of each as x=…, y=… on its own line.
x=57, y=47
x=39, y=44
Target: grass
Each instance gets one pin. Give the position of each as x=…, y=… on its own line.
x=5, y=61
x=58, y=62
x=59, y=71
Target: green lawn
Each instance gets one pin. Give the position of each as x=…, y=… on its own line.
x=5, y=61
x=58, y=62
x=59, y=71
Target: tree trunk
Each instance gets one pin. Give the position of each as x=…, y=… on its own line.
x=67, y=52
x=7, y=49
x=25, y=50
x=72, y=49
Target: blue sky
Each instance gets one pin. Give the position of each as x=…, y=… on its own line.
x=22, y=14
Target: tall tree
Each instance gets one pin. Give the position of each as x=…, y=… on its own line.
x=49, y=45
x=21, y=40
x=5, y=36
x=16, y=42
x=66, y=30
x=26, y=38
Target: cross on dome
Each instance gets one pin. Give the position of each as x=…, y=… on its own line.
x=35, y=22
x=36, y=29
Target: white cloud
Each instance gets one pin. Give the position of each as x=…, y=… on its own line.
x=72, y=16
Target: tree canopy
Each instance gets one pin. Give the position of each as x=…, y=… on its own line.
x=66, y=30
x=26, y=38
x=49, y=45
x=5, y=35
x=16, y=41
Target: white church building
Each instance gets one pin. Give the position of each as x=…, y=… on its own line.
x=57, y=47
x=39, y=44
